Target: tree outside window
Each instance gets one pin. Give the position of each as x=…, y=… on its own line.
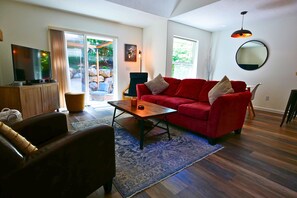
x=184, y=58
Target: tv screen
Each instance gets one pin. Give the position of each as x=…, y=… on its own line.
x=31, y=65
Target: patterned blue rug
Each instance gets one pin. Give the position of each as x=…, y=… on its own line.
x=138, y=169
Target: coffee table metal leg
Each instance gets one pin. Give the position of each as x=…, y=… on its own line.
x=141, y=133
x=113, y=117
x=167, y=128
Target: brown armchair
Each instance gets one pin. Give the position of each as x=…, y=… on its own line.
x=65, y=165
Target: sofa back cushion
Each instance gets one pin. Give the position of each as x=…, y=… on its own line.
x=190, y=88
x=203, y=96
x=173, y=85
x=238, y=86
x=10, y=158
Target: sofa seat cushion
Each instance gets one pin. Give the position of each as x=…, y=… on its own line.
x=190, y=88
x=174, y=102
x=154, y=98
x=199, y=110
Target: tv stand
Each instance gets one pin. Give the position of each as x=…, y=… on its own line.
x=30, y=100
x=35, y=82
x=38, y=82
x=27, y=83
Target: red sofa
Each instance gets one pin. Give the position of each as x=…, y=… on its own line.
x=194, y=112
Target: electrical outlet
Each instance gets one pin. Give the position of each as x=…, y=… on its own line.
x=267, y=98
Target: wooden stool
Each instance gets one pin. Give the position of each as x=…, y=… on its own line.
x=75, y=102
x=291, y=107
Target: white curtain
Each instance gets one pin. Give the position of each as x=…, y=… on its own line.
x=60, y=63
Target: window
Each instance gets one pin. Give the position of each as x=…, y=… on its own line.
x=184, y=58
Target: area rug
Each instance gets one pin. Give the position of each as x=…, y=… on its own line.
x=138, y=169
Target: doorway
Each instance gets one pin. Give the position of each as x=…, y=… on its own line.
x=91, y=66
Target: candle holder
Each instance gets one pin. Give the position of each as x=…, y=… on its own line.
x=133, y=102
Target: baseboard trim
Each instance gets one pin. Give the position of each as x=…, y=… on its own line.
x=269, y=110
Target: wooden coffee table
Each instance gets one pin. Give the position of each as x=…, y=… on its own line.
x=150, y=111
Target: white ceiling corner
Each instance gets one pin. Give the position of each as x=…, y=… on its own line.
x=185, y=6
x=225, y=14
x=209, y=15
x=163, y=8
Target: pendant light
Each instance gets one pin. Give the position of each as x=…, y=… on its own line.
x=242, y=33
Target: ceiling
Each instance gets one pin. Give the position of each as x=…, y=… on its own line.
x=210, y=15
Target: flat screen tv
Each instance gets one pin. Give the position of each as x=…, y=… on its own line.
x=31, y=65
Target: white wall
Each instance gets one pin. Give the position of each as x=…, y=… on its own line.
x=204, y=38
x=27, y=25
x=278, y=75
x=154, y=48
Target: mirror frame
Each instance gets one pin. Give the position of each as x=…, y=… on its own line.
x=259, y=65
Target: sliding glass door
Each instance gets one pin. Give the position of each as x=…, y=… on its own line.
x=91, y=66
x=76, y=61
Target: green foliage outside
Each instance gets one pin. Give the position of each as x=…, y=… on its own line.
x=105, y=54
x=45, y=64
x=182, y=57
x=182, y=51
x=74, y=62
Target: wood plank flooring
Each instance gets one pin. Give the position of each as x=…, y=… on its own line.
x=261, y=162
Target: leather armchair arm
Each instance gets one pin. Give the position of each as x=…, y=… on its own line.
x=42, y=128
x=71, y=167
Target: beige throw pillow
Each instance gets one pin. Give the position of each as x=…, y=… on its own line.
x=16, y=139
x=157, y=85
x=222, y=87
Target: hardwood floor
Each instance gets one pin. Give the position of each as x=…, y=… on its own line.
x=261, y=162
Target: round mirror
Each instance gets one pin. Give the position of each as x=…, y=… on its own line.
x=251, y=55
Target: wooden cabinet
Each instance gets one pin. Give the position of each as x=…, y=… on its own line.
x=30, y=100
x=50, y=97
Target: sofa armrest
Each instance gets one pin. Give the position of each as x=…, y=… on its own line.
x=42, y=128
x=74, y=166
x=141, y=89
x=228, y=113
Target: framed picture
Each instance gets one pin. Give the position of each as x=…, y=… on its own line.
x=130, y=52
